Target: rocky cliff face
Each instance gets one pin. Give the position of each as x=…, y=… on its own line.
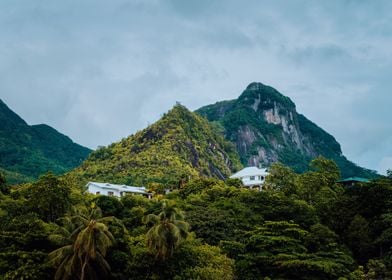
x=265, y=127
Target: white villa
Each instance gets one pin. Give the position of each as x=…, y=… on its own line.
x=115, y=190
x=252, y=177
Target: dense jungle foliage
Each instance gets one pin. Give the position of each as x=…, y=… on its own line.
x=26, y=152
x=302, y=226
x=178, y=146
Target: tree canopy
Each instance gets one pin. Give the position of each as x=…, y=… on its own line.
x=302, y=226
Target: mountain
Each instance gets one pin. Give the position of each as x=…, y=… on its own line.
x=265, y=128
x=27, y=151
x=178, y=146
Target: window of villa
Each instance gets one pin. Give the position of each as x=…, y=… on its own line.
x=110, y=193
x=252, y=178
x=98, y=193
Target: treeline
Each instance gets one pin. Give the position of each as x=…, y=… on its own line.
x=302, y=226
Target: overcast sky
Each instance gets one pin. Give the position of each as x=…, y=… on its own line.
x=99, y=71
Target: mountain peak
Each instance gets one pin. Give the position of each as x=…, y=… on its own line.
x=179, y=110
x=178, y=146
x=255, y=86
x=264, y=96
x=265, y=127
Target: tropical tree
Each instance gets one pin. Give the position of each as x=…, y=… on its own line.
x=84, y=255
x=168, y=230
x=326, y=168
x=281, y=177
x=319, y=182
x=284, y=250
x=50, y=197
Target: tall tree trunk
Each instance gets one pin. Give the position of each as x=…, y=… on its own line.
x=82, y=275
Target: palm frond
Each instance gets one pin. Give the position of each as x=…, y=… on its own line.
x=151, y=218
x=87, y=244
x=59, y=254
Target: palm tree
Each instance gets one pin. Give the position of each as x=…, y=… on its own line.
x=168, y=230
x=62, y=257
x=86, y=239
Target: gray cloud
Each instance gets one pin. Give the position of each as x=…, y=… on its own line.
x=100, y=70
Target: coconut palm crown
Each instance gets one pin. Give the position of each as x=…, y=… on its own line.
x=168, y=230
x=84, y=255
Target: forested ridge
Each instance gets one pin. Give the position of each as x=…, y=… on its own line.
x=302, y=226
x=28, y=151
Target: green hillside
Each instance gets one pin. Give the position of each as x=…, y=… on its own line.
x=29, y=151
x=180, y=146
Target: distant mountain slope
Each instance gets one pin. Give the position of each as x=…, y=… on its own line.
x=265, y=127
x=29, y=151
x=178, y=146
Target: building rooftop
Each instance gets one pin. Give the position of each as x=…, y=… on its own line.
x=121, y=188
x=250, y=171
x=354, y=179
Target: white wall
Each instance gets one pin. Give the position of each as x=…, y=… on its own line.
x=93, y=189
x=248, y=182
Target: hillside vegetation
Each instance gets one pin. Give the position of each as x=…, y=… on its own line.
x=26, y=152
x=180, y=146
x=303, y=226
